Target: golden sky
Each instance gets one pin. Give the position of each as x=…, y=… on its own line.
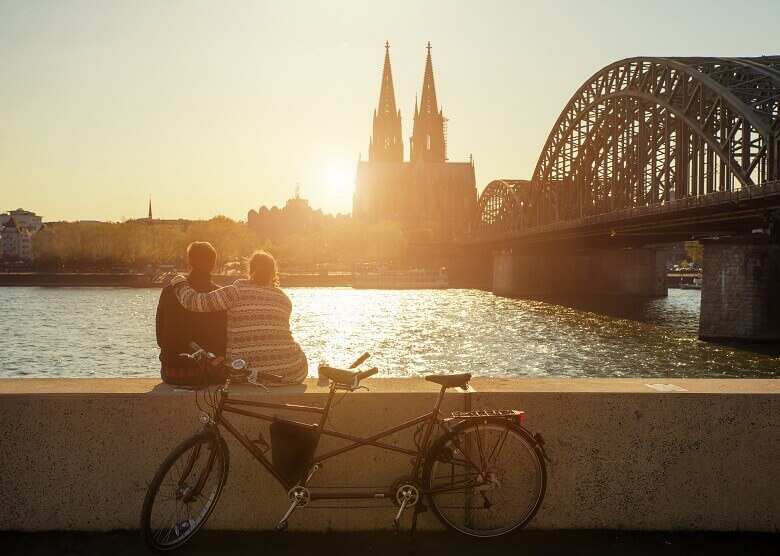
x=220, y=107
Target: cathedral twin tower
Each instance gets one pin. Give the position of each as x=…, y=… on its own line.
x=427, y=191
x=427, y=141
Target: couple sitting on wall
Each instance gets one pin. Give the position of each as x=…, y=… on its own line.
x=249, y=320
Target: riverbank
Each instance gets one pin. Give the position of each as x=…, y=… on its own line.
x=136, y=280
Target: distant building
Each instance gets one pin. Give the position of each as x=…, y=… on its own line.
x=17, y=229
x=16, y=241
x=179, y=223
x=24, y=218
x=295, y=218
x=426, y=190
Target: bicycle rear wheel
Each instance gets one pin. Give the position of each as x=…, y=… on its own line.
x=184, y=492
x=503, y=453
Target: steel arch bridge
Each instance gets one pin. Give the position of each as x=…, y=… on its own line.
x=648, y=141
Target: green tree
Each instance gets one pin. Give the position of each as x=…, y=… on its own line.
x=345, y=244
x=695, y=252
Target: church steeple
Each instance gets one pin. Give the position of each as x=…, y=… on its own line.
x=150, y=208
x=386, y=144
x=428, y=134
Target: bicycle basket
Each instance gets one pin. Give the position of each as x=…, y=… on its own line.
x=292, y=446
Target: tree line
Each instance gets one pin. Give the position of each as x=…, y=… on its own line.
x=138, y=245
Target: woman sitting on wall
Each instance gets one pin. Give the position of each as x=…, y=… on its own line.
x=258, y=319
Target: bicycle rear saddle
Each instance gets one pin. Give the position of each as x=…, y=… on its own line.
x=450, y=381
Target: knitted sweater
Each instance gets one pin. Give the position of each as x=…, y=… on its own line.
x=258, y=325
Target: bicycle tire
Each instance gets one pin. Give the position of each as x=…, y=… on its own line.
x=439, y=453
x=220, y=465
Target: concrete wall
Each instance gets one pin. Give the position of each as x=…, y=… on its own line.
x=740, y=298
x=597, y=272
x=78, y=454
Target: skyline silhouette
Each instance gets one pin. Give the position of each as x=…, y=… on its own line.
x=216, y=111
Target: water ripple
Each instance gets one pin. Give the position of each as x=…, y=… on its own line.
x=109, y=332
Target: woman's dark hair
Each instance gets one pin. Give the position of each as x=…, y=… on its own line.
x=262, y=269
x=202, y=256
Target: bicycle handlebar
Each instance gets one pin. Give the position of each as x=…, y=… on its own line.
x=360, y=360
x=198, y=353
x=365, y=374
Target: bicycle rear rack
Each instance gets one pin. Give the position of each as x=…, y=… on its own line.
x=514, y=414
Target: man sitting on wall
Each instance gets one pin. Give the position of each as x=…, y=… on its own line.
x=177, y=327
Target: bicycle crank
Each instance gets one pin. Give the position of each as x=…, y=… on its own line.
x=407, y=496
x=299, y=497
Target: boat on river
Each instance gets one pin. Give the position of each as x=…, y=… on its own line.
x=695, y=285
x=408, y=280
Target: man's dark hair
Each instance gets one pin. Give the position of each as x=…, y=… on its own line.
x=201, y=256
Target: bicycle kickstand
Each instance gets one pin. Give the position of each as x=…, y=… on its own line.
x=414, y=521
x=419, y=508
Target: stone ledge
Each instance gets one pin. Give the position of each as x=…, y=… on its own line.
x=79, y=453
x=401, y=385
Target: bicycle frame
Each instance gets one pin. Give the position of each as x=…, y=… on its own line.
x=433, y=418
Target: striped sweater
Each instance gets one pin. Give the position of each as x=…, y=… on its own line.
x=258, y=325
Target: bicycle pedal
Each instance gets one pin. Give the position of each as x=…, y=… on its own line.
x=396, y=526
x=282, y=526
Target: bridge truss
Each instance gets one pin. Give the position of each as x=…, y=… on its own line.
x=645, y=135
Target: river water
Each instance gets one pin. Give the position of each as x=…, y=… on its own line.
x=109, y=332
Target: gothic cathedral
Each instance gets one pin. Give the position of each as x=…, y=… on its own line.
x=427, y=191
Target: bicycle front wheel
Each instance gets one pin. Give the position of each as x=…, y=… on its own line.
x=487, y=479
x=184, y=492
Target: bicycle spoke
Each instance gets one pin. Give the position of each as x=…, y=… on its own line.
x=501, y=442
x=479, y=447
x=175, y=500
x=499, y=496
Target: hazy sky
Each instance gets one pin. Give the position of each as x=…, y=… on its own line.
x=219, y=107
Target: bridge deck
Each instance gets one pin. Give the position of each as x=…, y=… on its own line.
x=725, y=212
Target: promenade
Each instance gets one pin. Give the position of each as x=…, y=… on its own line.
x=550, y=543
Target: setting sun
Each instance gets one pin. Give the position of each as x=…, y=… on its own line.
x=339, y=179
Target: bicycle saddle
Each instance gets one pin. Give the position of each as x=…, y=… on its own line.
x=343, y=377
x=450, y=381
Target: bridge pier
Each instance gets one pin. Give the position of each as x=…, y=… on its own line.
x=740, y=298
x=591, y=272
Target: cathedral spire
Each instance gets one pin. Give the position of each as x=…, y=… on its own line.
x=428, y=104
x=428, y=134
x=387, y=92
x=386, y=144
